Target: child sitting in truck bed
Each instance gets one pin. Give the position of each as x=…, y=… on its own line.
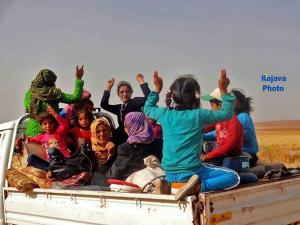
x=70, y=110
x=182, y=125
x=139, y=145
x=52, y=140
x=81, y=133
x=243, y=108
x=228, y=134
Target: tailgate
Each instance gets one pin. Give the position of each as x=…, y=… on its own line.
x=268, y=203
x=50, y=206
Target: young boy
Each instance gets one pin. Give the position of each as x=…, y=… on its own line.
x=228, y=134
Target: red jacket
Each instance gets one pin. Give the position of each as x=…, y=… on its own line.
x=229, y=136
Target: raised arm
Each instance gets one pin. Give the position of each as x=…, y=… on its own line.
x=227, y=109
x=144, y=86
x=76, y=96
x=105, y=98
x=63, y=125
x=151, y=109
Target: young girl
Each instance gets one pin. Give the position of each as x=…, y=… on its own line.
x=82, y=132
x=243, y=108
x=182, y=126
x=52, y=140
x=69, y=111
x=124, y=91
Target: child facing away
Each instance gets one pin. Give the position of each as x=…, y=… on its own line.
x=124, y=91
x=243, y=108
x=182, y=126
x=52, y=140
x=139, y=145
x=43, y=91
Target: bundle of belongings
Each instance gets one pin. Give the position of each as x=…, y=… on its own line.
x=74, y=171
x=270, y=171
x=140, y=181
x=26, y=178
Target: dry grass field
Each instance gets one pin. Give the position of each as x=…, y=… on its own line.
x=279, y=141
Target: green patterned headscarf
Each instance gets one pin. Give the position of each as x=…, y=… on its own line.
x=43, y=90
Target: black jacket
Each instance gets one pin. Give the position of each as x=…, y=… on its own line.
x=135, y=104
x=130, y=158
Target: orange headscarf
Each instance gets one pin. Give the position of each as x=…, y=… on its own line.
x=101, y=147
x=98, y=145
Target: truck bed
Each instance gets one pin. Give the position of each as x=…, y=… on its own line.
x=275, y=202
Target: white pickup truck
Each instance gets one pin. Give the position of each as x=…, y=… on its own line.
x=276, y=202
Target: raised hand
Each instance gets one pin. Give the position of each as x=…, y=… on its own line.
x=140, y=78
x=79, y=72
x=110, y=84
x=223, y=82
x=157, y=81
x=51, y=111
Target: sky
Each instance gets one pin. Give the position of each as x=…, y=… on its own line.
x=122, y=38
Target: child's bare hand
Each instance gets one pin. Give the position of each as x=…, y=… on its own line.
x=140, y=78
x=203, y=157
x=18, y=142
x=157, y=81
x=79, y=72
x=110, y=146
x=223, y=82
x=51, y=110
x=110, y=83
x=49, y=176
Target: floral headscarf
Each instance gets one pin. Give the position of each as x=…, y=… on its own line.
x=138, y=128
x=43, y=89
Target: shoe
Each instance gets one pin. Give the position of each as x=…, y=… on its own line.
x=189, y=188
x=161, y=186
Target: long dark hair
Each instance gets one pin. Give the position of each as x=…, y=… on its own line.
x=242, y=103
x=184, y=93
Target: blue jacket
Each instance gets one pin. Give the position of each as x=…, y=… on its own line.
x=250, y=141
